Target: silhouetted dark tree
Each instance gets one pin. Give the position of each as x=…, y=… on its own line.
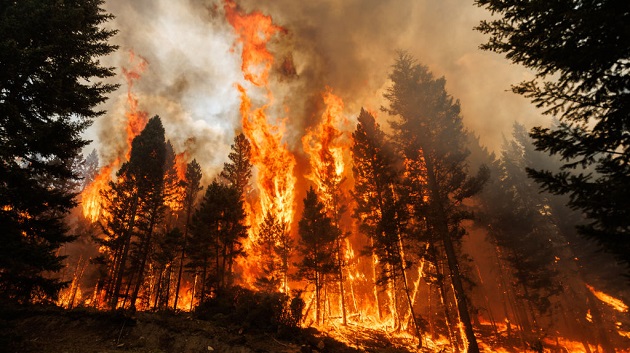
x=381, y=214
x=133, y=206
x=218, y=227
x=316, y=247
x=239, y=170
x=521, y=224
x=49, y=88
x=580, y=52
x=429, y=130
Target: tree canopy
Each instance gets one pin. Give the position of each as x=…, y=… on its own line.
x=50, y=85
x=580, y=53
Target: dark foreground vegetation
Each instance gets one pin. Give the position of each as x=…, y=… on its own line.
x=243, y=321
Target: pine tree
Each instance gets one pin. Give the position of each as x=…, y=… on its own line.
x=580, y=53
x=521, y=227
x=133, y=206
x=238, y=172
x=430, y=132
x=49, y=89
x=147, y=162
x=218, y=227
x=270, y=248
x=380, y=215
x=316, y=247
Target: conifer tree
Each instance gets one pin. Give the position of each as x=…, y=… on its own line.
x=50, y=85
x=239, y=170
x=316, y=247
x=381, y=214
x=580, y=53
x=133, y=207
x=269, y=246
x=218, y=228
x=430, y=131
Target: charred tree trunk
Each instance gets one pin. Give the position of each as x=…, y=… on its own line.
x=181, y=259
x=441, y=226
x=158, y=289
x=342, y=295
x=124, y=254
x=146, y=249
x=401, y=262
x=374, y=277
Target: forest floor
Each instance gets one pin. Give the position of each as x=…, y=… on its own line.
x=55, y=330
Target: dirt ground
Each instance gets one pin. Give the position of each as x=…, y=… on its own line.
x=54, y=330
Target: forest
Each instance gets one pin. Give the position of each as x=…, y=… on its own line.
x=325, y=211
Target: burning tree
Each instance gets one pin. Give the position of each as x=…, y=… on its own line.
x=316, y=247
x=380, y=211
x=133, y=206
x=239, y=170
x=325, y=146
x=430, y=132
x=49, y=56
x=192, y=182
x=218, y=229
x=274, y=245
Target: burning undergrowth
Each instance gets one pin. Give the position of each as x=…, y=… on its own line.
x=374, y=257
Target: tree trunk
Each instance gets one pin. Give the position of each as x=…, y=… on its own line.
x=441, y=225
x=401, y=262
x=181, y=259
x=145, y=255
x=341, y=289
x=123, y=257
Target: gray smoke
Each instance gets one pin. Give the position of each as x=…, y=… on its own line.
x=347, y=45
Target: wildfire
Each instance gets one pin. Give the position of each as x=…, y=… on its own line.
x=273, y=162
x=136, y=120
x=617, y=304
x=180, y=164
x=255, y=30
x=91, y=197
x=325, y=147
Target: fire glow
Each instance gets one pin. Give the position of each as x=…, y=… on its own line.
x=325, y=149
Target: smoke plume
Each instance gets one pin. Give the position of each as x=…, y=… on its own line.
x=344, y=46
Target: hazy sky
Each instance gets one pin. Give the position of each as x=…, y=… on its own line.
x=348, y=45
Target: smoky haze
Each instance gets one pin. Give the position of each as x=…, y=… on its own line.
x=349, y=46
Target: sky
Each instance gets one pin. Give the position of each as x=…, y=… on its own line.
x=193, y=66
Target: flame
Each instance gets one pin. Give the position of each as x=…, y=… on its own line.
x=91, y=197
x=272, y=160
x=325, y=146
x=181, y=161
x=615, y=303
x=136, y=120
x=254, y=31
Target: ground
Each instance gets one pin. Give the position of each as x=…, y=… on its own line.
x=54, y=330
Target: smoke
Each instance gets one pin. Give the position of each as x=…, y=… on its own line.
x=349, y=46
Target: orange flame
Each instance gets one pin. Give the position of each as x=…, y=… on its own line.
x=136, y=121
x=91, y=197
x=325, y=147
x=254, y=31
x=615, y=303
x=273, y=162
x=181, y=160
